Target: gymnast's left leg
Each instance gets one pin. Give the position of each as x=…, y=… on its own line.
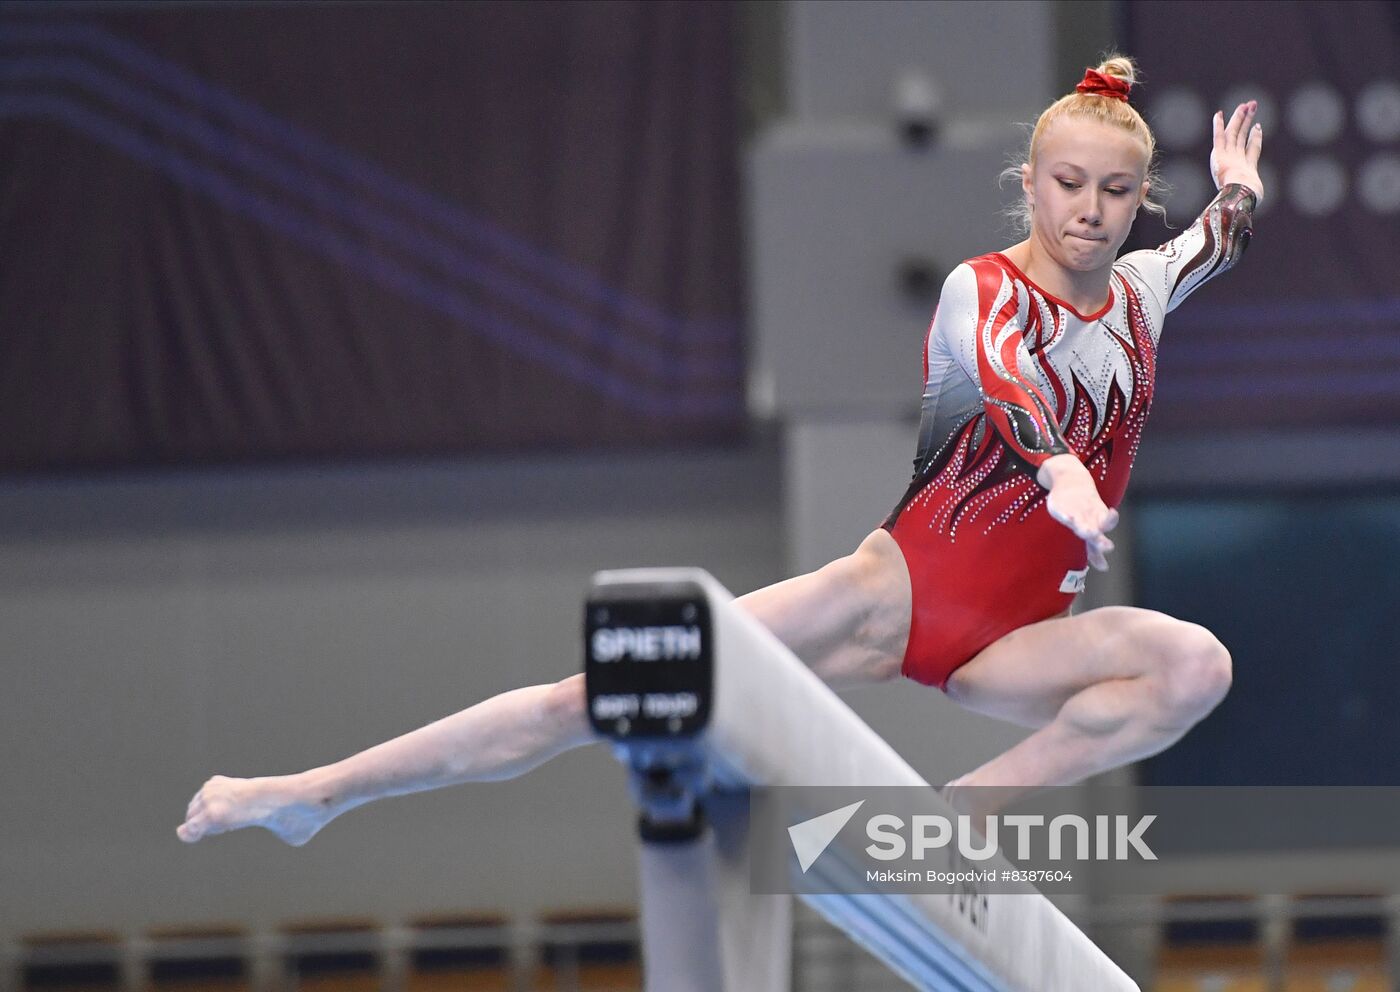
x=848, y=621
x=1103, y=689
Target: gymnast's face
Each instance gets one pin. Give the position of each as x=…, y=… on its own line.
x=1084, y=189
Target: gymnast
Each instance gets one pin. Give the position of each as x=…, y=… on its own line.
x=1038, y=370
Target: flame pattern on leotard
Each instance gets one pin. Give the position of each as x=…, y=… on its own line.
x=1013, y=376
x=1048, y=380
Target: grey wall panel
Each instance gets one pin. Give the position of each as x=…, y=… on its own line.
x=848, y=475
x=990, y=59
x=834, y=212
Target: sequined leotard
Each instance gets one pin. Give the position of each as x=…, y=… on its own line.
x=1013, y=376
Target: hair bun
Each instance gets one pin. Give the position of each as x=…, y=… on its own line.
x=1120, y=67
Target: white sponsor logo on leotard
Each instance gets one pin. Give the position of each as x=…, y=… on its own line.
x=1074, y=580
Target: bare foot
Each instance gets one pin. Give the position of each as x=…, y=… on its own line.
x=279, y=804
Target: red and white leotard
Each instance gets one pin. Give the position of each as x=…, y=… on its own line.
x=1013, y=376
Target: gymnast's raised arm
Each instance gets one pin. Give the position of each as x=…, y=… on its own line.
x=1219, y=236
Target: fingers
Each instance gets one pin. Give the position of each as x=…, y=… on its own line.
x=1238, y=142
x=1240, y=121
x=1098, y=549
x=1238, y=129
x=1106, y=520
x=1082, y=510
x=1087, y=521
x=1097, y=544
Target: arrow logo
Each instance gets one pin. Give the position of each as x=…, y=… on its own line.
x=811, y=837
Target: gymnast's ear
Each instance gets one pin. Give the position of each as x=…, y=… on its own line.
x=1027, y=186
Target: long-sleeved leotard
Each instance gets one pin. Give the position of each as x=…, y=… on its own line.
x=1013, y=376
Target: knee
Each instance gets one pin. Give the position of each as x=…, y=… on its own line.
x=1194, y=673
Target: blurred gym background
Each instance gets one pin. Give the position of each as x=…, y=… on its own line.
x=343, y=342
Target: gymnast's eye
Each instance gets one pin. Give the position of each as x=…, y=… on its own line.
x=1116, y=190
x=1067, y=184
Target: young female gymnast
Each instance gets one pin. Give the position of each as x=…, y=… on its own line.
x=1039, y=369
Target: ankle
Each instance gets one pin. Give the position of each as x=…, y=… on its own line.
x=318, y=788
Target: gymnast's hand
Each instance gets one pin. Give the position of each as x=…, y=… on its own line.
x=1238, y=141
x=1074, y=501
x=277, y=804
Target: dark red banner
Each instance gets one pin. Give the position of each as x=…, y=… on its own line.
x=241, y=232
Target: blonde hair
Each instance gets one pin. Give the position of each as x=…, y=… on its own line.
x=1106, y=110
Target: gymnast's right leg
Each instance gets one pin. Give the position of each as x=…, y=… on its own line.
x=846, y=620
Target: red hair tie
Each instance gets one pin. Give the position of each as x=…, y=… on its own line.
x=1097, y=84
